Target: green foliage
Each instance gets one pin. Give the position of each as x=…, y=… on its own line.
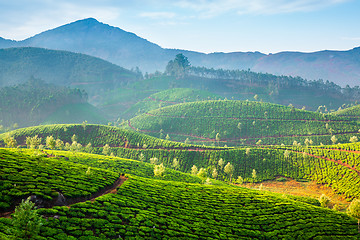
x=31, y=102
x=324, y=200
x=166, y=98
x=26, y=222
x=148, y=208
x=206, y=122
x=159, y=170
x=194, y=170
x=30, y=172
x=51, y=142
x=354, y=209
x=178, y=67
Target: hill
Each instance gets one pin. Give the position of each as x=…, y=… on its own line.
x=76, y=113
x=167, y=98
x=128, y=50
x=35, y=102
x=337, y=169
x=242, y=122
x=150, y=208
x=61, y=68
x=242, y=85
x=352, y=113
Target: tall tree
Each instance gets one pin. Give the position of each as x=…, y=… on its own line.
x=178, y=67
x=26, y=222
x=354, y=211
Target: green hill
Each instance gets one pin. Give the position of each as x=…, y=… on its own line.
x=340, y=172
x=167, y=98
x=242, y=122
x=61, y=68
x=145, y=208
x=35, y=102
x=76, y=113
x=352, y=113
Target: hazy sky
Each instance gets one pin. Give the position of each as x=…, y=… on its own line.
x=268, y=26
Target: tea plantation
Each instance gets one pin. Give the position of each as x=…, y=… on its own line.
x=146, y=208
x=242, y=123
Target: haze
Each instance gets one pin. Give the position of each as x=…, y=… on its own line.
x=202, y=25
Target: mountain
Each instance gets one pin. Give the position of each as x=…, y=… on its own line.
x=5, y=43
x=61, y=68
x=126, y=49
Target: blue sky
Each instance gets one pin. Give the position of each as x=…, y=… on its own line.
x=267, y=26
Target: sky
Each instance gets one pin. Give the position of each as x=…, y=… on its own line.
x=267, y=26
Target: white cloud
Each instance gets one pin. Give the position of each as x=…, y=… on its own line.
x=211, y=8
x=158, y=15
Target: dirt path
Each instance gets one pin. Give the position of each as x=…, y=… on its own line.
x=109, y=189
x=254, y=118
x=329, y=159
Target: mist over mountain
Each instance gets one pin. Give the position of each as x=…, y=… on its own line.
x=128, y=50
x=61, y=68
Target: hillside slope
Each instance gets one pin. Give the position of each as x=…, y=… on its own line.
x=61, y=68
x=167, y=98
x=146, y=208
x=35, y=101
x=242, y=122
x=127, y=49
x=340, y=170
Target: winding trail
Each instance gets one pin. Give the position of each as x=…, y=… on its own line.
x=224, y=140
x=107, y=190
x=329, y=159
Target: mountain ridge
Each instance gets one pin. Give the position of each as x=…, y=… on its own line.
x=128, y=50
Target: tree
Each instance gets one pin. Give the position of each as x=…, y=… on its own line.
x=202, y=173
x=239, y=180
x=154, y=160
x=10, y=141
x=106, y=149
x=141, y=157
x=88, y=148
x=217, y=137
x=286, y=153
x=59, y=144
x=84, y=124
x=214, y=173
x=167, y=137
x=74, y=138
x=159, y=170
x=50, y=142
x=353, y=139
x=194, y=170
x=324, y=200
x=221, y=163
x=253, y=174
x=175, y=164
x=229, y=170
x=239, y=126
x=33, y=142
x=354, y=211
x=178, y=67
x=333, y=139
x=26, y=221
